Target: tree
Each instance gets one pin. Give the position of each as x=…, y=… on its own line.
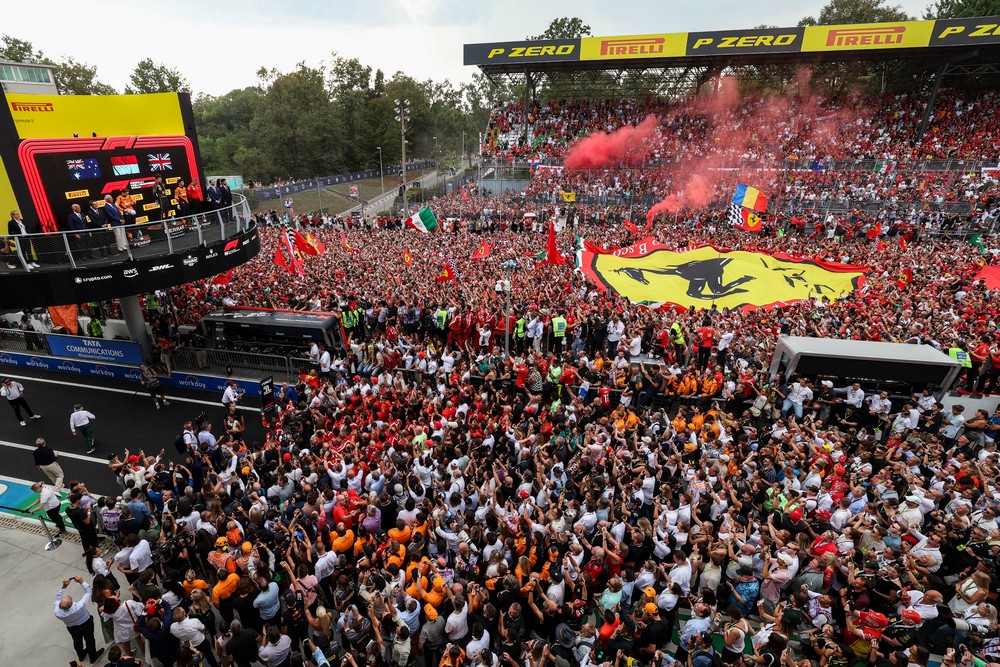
x=856, y=11
x=76, y=78
x=962, y=9
x=151, y=77
x=19, y=51
x=565, y=28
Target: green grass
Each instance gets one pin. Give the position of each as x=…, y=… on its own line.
x=306, y=202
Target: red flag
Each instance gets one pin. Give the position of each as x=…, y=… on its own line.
x=465, y=195
x=296, y=264
x=407, y=258
x=902, y=244
x=630, y=226
x=447, y=273
x=904, y=279
x=65, y=317
x=552, y=255
x=316, y=243
x=279, y=259
x=347, y=246
x=880, y=245
x=875, y=231
x=483, y=251
x=224, y=278
x=649, y=221
x=302, y=244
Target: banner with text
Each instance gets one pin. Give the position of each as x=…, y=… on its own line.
x=94, y=349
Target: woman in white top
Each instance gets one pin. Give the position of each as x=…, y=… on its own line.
x=124, y=615
x=97, y=565
x=734, y=637
x=969, y=592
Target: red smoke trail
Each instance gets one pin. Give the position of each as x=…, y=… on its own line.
x=628, y=144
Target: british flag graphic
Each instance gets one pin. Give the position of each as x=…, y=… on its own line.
x=159, y=161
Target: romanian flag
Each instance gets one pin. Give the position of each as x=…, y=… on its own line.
x=447, y=273
x=568, y=197
x=748, y=197
x=483, y=251
x=407, y=258
x=316, y=243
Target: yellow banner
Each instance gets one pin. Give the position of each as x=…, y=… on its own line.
x=868, y=36
x=171, y=181
x=137, y=198
x=147, y=207
x=75, y=194
x=142, y=218
x=648, y=273
x=633, y=46
x=54, y=116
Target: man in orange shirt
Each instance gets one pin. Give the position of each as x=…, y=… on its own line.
x=223, y=592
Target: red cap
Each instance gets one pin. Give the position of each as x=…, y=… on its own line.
x=839, y=469
x=796, y=514
x=287, y=457
x=876, y=619
x=823, y=514
x=911, y=615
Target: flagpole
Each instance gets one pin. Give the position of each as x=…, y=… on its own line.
x=319, y=193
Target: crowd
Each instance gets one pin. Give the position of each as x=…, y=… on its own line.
x=627, y=487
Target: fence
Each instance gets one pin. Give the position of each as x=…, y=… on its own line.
x=279, y=191
x=104, y=246
x=232, y=362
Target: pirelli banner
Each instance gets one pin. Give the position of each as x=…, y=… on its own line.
x=810, y=39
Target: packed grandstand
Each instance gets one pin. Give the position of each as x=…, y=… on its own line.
x=593, y=478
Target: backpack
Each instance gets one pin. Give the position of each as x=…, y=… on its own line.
x=180, y=445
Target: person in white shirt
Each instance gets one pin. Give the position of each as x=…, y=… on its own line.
x=798, y=393
x=232, y=394
x=13, y=391
x=83, y=421
x=78, y=620
x=324, y=362
x=855, y=395
x=616, y=329
x=48, y=500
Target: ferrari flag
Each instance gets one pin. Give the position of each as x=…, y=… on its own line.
x=744, y=218
x=650, y=274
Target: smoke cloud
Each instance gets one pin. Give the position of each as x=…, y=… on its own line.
x=628, y=144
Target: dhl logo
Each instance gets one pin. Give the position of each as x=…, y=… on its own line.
x=32, y=106
x=875, y=36
x=646, y=46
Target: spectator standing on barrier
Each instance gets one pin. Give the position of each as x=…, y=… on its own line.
x=78, y=620
x=48, y=500
x=47, y=461
x=83, y=421
x=151, y=383
x=13, y=391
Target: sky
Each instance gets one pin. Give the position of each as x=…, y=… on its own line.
x=219, y=45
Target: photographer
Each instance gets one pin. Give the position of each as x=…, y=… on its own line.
x=151, y=383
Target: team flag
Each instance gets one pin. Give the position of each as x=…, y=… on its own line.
x=568, y=197
x=159, y=161
x=407, y=257
x=483, y=251
x=302, y=244
x=749, y=197
x=124, y=165
x=904, y=279
x=347, y=246
x=279, y=259
x=875, y=231
x=745, y=219
x=316, y=243
x=630, y=226
x=224, y=278
x=83, y=168
x=296, y=264
x=447, y=273
x=552, y=255
x=902, y=243
x=881, y=245
x=424, y=221
x=977, y=240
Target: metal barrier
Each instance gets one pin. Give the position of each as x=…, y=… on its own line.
x=107, y=245
x=231, y=362
x=16, y=340
x=54, y=542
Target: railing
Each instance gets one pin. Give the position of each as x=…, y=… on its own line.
x=279, y=191
x=16, y=340
x=231, y=362
x=54, y=541
x=105, y=246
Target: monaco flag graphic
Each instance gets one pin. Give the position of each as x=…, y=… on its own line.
x=125, y=165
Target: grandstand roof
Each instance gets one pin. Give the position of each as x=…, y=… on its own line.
x=931, y=42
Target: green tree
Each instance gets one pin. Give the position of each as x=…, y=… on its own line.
x=19, y=51
x=152, y=77
x=565, y=28
x=76, y=78
x=856, y=11
x=349, y=83
x=962, y=9
x=223, y=124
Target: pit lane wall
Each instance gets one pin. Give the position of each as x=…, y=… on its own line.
x=91, y=369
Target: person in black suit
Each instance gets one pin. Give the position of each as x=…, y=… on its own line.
x=76, y=222
x=96, y=223
x=114, y=217
x=16, y=226
x=213, y=197
x=225, y=199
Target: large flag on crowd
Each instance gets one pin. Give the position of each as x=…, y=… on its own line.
x=483, y=251
x=749, y=197
x=422, y=221
x=296, y=264
x=745, y=219
x=651, y=274
x=303, y=245
x=552, y=254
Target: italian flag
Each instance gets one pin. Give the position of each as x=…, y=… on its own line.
x=424, y=221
